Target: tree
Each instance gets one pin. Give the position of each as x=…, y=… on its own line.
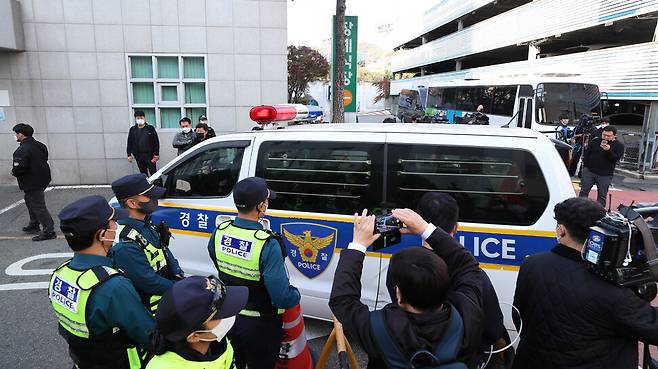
x=305, y=65
x=338, y=109
x=383, y=89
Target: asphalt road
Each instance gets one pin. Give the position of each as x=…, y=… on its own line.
x=28, y=337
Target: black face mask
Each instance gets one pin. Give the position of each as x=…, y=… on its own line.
x=148, y=207
x=200, y=136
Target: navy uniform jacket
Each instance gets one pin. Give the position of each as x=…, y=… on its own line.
x=114, y=303
x=272, y=268
x=130, y=258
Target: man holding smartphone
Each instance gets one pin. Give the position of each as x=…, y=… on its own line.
x=599, y=161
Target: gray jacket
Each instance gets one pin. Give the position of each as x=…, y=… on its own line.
x=183, y=141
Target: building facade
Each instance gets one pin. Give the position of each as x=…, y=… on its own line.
x=611, y=43
x=77, y=69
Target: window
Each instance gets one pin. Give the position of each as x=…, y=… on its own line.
x=210, y=173
x=491, y=185
x=322, y=177
x=449, y=101
x=573, y=99
x=168, y=87
x=503, y=100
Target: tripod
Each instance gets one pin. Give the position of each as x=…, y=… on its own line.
x=346, y=359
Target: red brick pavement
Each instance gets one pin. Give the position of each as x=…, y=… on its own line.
x=622, y=196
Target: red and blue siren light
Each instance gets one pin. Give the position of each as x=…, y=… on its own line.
x=284, y=112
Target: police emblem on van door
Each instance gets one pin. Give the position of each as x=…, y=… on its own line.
x=310, y=246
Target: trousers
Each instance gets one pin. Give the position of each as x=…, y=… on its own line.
x=144, y=164
x=36, y=208
x=256, y=341
x=588, y=179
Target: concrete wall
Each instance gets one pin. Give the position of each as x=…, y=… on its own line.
x=70, y=83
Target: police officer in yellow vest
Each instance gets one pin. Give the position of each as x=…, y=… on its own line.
x=191, y=325
x=142, y=252
x=100, y=314
x=247, y=255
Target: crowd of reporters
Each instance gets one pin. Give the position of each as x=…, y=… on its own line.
x=444, y=313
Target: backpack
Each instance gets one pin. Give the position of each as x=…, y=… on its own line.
x=445, y=351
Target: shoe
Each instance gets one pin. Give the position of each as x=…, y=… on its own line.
x=32, y=229
x=45, y=236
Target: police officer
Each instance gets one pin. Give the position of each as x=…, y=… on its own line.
x=247, y=255
x=100, y=314
x=191, y=325
x=142, y=252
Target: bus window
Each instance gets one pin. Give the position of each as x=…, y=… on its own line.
x=483, y=96
x=322, y=177
x=464, y=99
x=528, y=114
x=519, y=117
x=573, y=99
x=491, y=185
x=503, y=100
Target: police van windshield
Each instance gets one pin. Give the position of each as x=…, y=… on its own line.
x=572, y=99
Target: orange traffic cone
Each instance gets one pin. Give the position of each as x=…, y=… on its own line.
x=294, y=352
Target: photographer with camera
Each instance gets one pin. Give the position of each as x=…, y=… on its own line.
x=572, y=317
x=438, y=293
x=442, y=210
x=599, y=161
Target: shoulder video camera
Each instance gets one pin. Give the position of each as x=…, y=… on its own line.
x=389, y=227
x=587, y=124
x=621, y=248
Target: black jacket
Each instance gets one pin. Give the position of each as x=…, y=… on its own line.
x=146, y=143
x=30, y=165
x=602, y=162
x=413, y=331
x=575, y=319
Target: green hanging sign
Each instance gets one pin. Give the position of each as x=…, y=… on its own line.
x=351, y=40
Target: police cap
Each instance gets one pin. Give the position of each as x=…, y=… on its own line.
x=251, y=191
x=87, y=215
x=136, y=184
x=195, y=300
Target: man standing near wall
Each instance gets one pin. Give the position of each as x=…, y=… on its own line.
x=143, y=145
x=30, y=167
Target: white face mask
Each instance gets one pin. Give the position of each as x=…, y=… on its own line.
x=220, y=330
x=187, y=129
x=140, y=121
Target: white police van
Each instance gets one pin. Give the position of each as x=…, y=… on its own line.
x=506, y=182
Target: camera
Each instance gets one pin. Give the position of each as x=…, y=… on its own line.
x=587, y=124
x=386, y=223
x=621, y=248
x=389, y=227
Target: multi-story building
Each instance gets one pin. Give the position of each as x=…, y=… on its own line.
x=77, y=69
x=611, y=43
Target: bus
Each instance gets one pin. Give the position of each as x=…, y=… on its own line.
x=534, y=103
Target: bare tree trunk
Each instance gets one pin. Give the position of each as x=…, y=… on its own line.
x=338, y=109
